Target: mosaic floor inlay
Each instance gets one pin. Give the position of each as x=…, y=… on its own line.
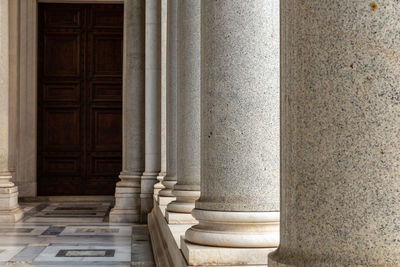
x=73, y=234
x=86, y=253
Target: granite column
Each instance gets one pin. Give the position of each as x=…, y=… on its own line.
x=152, y=104
x=187, y=189
x=239, y=202
x=165, y=195
x=9, y=208
x=127, y=193
x=340, y=134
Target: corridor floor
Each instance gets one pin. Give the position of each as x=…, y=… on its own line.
x=73, y=234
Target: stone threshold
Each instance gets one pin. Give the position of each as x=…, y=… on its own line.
x=67, y=199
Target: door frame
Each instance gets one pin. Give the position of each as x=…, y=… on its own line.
x=26, y=172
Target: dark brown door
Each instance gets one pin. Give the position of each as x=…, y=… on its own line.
x=79, y=98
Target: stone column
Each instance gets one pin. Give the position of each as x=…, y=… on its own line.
x=163, y=165
x=187, y=189
x=152, y=104
x=26, y=179
x=13, y=86
x=127, y=194
x=9, y=208
x=239, y=202
x=165, y=195
x=340, y=134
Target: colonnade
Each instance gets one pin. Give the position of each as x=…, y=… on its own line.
x=339, y=133
x=317, y=107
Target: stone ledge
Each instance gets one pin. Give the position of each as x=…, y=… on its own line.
x=197, y=255
x=180, y=218
x=165, y=248
x=164, y=201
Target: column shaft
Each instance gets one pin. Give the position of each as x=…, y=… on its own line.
x=9, y=208
x=340, y=134
x=127, y=195
x=14, y=85
x=187, y=189
x=152, y=104
x=163, y=172
x=239, y=125
x=170, y=178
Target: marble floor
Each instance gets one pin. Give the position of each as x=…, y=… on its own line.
x=73, y=234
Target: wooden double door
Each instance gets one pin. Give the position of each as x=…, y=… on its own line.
x=79, y=98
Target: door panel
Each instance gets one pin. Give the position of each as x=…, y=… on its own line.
x=79, y=98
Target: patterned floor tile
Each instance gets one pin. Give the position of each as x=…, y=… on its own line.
x=98, y=231
x=73, y=234
x=7, y=253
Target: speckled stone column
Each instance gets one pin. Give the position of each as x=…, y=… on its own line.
x=9, y=208
x=239, y=202
x=170, y=179
x=187, y=189
x=152, y=104
x=340, y=98
x=127, y=193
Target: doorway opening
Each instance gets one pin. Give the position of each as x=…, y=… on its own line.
x=79, y=139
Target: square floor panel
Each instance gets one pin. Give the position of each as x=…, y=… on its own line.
x=85, y=254
x=19, y=230
x=98, y=230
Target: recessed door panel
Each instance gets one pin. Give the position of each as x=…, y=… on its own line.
x=79, y=98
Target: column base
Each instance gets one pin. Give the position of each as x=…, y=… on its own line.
x=159, y=186
x=235, y=229
x=11, y=216
x=198, y=255
x=148, y=180
x=185, y=200
x=127, y=200
x=10, y=211
x=168, y=183
x=274, y=261
x=179, y=218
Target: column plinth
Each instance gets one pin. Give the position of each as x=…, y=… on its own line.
x=340, y=134
x=127, y=199
x=235, y=229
